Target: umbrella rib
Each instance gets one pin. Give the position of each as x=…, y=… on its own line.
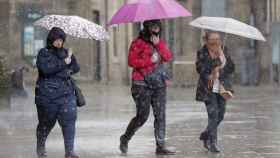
x=136, y=12
x=162, y=7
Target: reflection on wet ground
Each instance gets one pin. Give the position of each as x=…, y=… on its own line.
x=251, y=128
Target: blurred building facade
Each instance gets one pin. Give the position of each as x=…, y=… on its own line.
x=273, y=23
x=106, y=62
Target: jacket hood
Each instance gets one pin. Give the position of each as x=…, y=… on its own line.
x=54, y=34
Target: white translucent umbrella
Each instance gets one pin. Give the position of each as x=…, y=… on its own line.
x=228, y=25
x=75, y=26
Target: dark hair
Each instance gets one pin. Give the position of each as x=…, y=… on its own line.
x=54, y=34
x=145, y=33
x=151, y=23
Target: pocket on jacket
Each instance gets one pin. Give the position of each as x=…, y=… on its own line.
x=49, y=89
x=51, y=85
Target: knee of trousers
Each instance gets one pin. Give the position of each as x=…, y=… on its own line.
x=69, y=118
x=141, y=119
x=213, y=114
x=221, y=118
x=46, y=123
x=67, y=123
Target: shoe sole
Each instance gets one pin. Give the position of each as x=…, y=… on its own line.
x=216, y=152
x=165, y=154
x=123, y=151
x=205, y=145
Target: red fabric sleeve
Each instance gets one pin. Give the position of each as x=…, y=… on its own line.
x=164, y=52
x=136, y=58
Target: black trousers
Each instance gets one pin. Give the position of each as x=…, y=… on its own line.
x=144, y=98
x=216, y=108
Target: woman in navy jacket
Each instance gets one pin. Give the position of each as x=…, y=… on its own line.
x=54, y=93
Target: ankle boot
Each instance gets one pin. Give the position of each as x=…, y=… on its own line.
x=164, y=151
x=71, y=155
x=41, y=152
x=205, y=138
x=213, y=145
x=123, y=144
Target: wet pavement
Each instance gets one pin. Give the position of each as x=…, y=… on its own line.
x=251, y=128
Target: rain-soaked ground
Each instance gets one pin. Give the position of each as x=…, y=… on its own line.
x=251, y=128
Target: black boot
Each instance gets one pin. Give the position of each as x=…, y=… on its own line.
x=164, y=151
x=123, y=144
x=214, y=148
x=41, y=149
x=205, y=138
x=71, y=155
x=213, y=145
x=41, y=152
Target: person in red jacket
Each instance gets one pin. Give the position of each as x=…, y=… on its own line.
x=149, y=80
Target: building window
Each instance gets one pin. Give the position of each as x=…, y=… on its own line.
x=28, y=38
x=33, y=38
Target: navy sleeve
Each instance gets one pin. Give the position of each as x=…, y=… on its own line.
x=74, y=66
x=48, y=64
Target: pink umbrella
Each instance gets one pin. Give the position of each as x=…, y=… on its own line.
x=141, y=10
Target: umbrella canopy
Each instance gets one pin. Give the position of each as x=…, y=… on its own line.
x=228, y=25
x=74, y=25
x=141, y=10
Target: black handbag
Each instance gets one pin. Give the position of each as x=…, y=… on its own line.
x=156, y=79
x=81, y=101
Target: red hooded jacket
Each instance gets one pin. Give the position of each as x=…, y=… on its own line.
x=140, y=54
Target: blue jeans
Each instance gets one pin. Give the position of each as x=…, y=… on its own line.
x=216, y=108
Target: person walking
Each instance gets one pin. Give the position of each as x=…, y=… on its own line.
x=215, y=67
x=149, y=80
x=54, y=93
